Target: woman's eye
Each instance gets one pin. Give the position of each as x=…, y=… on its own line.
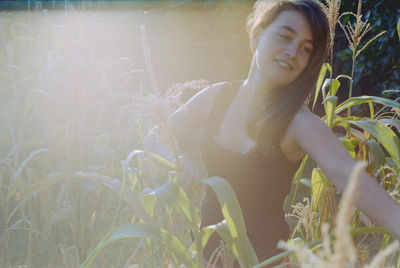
x=307, y=50
x=284, y=37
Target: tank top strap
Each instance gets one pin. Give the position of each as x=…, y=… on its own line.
x=220, y=105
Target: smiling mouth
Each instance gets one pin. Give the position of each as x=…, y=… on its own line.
x=286, y=66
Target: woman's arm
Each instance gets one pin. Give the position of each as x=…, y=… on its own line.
x=184, y=121
x=193, y=114
x=317, y=140
x=182, y=124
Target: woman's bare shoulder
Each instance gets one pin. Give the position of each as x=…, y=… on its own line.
x=304, y=111
x=289, y=142
x=201, y=102
x=205, y=97
x=193, y=114
x=306, y=117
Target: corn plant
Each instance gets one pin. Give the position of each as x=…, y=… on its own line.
x=372, y=139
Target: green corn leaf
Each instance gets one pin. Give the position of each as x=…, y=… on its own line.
x=335, y=87
x=169, y=193
x=140, y=230
x=343, y=121
x=204, y=235
x=343, y=76
x=27, y=160
x=223, y=231
x=378, y=158
x=383, y=134
x=240, y=243
x=115, y=185
x=330, y=105
x=163, y=161
x=148, y=201
x=295, y=183
x=328, y=67
x=325, y=85
x=141, y=154
x=366, y=99
x=318, y=184
x=368, y=230
x=321, y=77
x=392, y=122
x=132, y=155
x=22, y=166
x=306, y=182
x=398, y=27
x=350, y=147
x=43, y=184
x=371, y=110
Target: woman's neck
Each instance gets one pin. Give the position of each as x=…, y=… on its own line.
x=255, y=86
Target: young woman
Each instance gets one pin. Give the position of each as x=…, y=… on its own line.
x=257, y=130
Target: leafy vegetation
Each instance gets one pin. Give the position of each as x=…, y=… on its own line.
x=377, y=70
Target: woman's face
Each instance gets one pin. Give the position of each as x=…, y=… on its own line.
x=284, y=49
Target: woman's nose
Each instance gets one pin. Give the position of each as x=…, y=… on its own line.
x=291, y=50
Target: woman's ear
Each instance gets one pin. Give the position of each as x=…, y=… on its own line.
x=255, y=39
x=254, y=43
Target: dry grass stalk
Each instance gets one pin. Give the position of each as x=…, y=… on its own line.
x=326, y=242
x=307, y=257
x=345, y=251
x=157, y=107
x=382, y=255
x=331, y=9
x=391, y=177
x=306, y=217
x=221, y=253
x=397, y=111
x=152, y=109
x=147, y=59
x=162, y=112
x=356, y=33
x=329, y=207
x=228, y=259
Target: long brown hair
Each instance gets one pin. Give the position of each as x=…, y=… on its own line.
x=270, y=120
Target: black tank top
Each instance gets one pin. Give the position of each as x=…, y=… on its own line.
x=260, y=180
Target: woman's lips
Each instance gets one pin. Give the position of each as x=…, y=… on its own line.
x=285, y=65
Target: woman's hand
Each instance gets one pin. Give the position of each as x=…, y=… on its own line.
x=189, y=172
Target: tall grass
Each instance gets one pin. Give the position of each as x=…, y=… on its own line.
x=343, y=252
x=54, y=126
